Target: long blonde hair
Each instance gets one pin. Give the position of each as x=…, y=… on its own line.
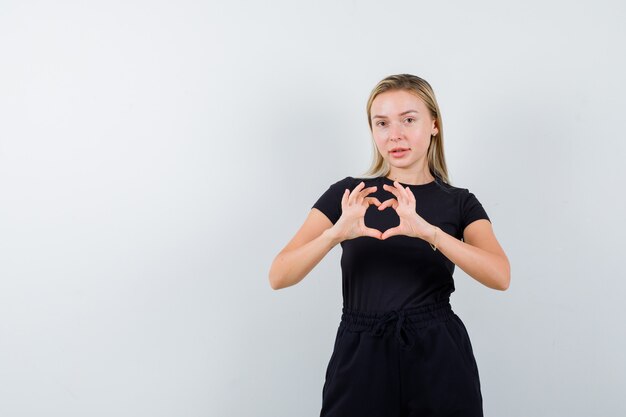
x=420, y=87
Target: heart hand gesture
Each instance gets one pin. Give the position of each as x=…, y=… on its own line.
x=351, y=224
x=411, y=223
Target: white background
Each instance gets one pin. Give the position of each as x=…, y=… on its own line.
x=155, y=157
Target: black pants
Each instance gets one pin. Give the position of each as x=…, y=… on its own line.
x=402, y=363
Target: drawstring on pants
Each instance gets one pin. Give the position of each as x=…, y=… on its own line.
x=390, y=317
x=406, y=320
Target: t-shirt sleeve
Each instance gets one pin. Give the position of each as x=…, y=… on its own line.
x=329, y=202
x=471, y=209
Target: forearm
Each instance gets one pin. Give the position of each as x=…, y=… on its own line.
x=292, y=266
x=487, y=268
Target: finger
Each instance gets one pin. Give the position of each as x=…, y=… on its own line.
x=372, y=200
x=393, y=190
x=344, y=198
x=411, y=195
x=354, y=194
x=396, y=190
x=403, y=192
x=369, y=190
x=388, y=203
x=365, y=192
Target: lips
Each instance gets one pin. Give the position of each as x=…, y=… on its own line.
x=399, y=149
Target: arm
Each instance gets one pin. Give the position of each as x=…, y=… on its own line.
x=312, y=242
x=479, y=254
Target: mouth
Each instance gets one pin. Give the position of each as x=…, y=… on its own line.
x=398, y=149
x=398, y=153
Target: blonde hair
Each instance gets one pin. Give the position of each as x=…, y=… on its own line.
x=419, y=87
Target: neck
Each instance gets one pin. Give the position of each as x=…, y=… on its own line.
x=411, y=178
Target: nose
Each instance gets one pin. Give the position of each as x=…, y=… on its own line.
x=395, y=131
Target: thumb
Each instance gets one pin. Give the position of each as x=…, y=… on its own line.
x=375, y=233
x=391, y=232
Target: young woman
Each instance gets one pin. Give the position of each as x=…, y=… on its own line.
x=400, y=350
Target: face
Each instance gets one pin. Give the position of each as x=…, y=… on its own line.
x=401, y=119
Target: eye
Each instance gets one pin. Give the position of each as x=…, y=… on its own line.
x=379, y=123
x=410, y=118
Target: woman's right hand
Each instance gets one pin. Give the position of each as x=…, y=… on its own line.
x=351, y=223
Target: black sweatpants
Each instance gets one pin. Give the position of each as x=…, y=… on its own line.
x=402, y=363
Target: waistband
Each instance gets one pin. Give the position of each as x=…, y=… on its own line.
x=408, y=318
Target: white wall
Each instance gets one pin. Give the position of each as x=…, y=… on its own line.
x=156, y=156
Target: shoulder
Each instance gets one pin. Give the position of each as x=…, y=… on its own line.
x=329, y=202
x=336, y=189
x=462, y=197
x=451, y=189
x=346, y=182
x=461, y=190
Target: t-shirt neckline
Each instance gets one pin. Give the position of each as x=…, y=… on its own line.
x=411, y=186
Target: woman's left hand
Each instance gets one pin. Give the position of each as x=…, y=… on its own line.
x=411, y=223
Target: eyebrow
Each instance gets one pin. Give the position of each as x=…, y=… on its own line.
x=401, y=114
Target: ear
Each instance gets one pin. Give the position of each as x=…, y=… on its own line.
x=435, y=128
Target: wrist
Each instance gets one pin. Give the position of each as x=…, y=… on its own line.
x=332, y=236
x=433, y=237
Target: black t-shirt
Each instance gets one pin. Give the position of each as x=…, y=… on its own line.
x=400, y=271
